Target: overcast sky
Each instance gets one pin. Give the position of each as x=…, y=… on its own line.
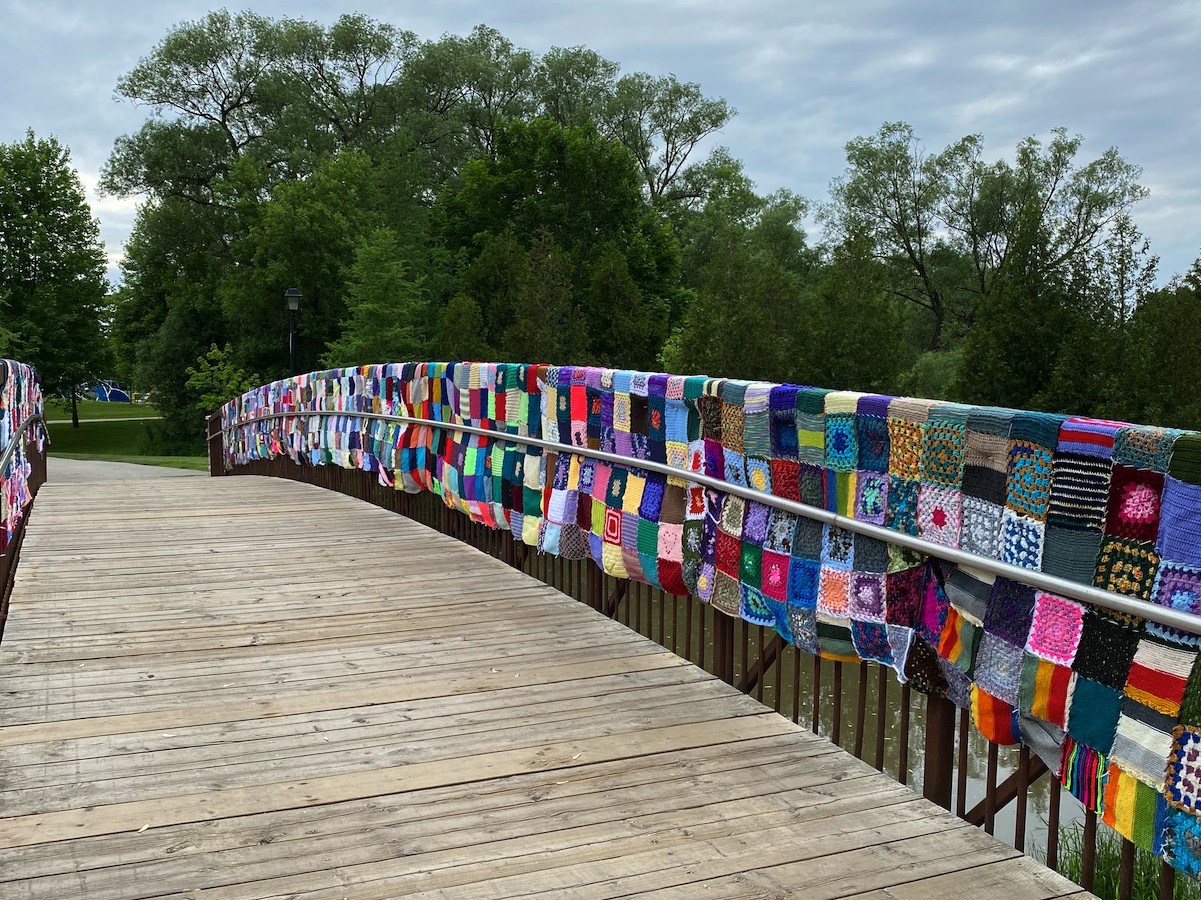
x=805, y=76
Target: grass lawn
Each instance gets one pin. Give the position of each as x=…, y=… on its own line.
x=114, y=441
x=95, y=409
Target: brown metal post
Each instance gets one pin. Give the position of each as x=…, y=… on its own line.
x=939, y=767
x=216, y=446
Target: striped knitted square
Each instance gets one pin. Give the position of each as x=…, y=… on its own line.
x=1079, y=491
x=1158, y=675
x=1186, y=459
x=1132, y=808
x=1143, y=742
x=1082, y=772
x=1045, y=689
x=994, y=717
x=959, y=641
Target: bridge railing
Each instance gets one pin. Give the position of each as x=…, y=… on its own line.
x=22, y=465
x=505, y=447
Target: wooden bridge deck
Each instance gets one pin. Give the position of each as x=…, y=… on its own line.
x=245, y=688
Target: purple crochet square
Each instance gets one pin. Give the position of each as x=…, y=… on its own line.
x=867, y=597
x=871, y=496
x=1180, y=522
x=1010, y=611
x=754, y=523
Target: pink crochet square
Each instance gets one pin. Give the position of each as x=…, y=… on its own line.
x=1055, y=631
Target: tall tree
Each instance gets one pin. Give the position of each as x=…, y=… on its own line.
x=52, y=269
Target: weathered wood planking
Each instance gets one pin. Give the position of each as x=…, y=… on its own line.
x=245, y=688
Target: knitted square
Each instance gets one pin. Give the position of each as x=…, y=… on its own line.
x=842, y=443
x=1143, y=742
x=958, y=685
x=970, y=594
x=1182, y=842
x=840, y=488
x=959, y=641
x=1055, y=629
x=1088, y=437
x=1132, y=808
x=866, y=597
x=1037, y=428
x=1045, y=690
x=980, y=527
x=1106, y=649
x=1079, y=490
x=1133, y=505
x=833, y=591
x=1028, y=487
x=1071, y=552
x=905, y=449
x=943, y=450
x=838, y=547
x=1158, y=675
x=1180, y=521
x=986, y=451
x=994, y=717
x=811, y=432
x=871, y=642
x=938, y=515
x=750, y=564
x=935, y=607
x=774, y=581
x=1142, y=447
x=1010, y=611
x=728, y=553
x=612, y=526
x=755, y=609
x=755, y=521
x=783, y=426
x=727, y=594
x=786, y=479
x=813, y=485
x=999, y=668
x=803, y=579
x=612, y=560
x=871, y=496
x=905, y=591
x=669, y=543
x=1093, y=714
x=781, y=526
x=1082, y=771
x=987, y=484
x=1127, y=567
x=807, y=539
x=1021, y=540
x=1186, y=459
x=802, y=622
x=901, y=514
x=874, y=447
x=871, y=555
x=1182, y=787
x=630, y=527
x=834, y=639
x=989, y=420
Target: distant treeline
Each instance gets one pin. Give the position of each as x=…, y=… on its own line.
x=466, y=199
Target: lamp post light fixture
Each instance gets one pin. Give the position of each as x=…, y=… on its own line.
x=292, y=295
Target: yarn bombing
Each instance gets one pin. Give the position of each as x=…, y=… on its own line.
x=20, y=398
x=1112, y=702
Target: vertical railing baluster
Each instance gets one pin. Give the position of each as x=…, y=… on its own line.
x=796, y=685
x=881, y=714
x=836, y=729
x=903, y=755
x=861, y=710
x=1167, y=882
x=990, y=790
x=1126, y=871
x=746, y=665
x=1088, y=852
x=961, y=771
x=815, y=722
x=1053, y=824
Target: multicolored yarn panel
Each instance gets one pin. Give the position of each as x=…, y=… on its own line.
x=1109, y=698
x=20, y=398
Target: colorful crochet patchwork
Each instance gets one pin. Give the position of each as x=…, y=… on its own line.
x=1114, y=505
x=20, y=398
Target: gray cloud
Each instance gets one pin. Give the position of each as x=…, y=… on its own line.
x=806, y=77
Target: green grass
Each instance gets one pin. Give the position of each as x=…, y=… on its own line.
x=1109, y=864
x=95, y=409
x=195, y=463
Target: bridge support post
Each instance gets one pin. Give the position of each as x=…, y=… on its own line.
x=216, y=446
x=723, y=646
x=939, y=767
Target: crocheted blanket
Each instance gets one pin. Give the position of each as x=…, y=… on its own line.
x=1111, y=702
x=20, y=397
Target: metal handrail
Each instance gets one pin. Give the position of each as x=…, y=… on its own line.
x=14, y=441
x=1142, y=609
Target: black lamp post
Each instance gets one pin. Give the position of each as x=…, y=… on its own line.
x=293, y=297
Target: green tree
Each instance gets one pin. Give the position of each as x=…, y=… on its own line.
x=53, y=291
x=217, y=381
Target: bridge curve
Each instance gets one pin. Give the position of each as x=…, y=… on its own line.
x=247, y=688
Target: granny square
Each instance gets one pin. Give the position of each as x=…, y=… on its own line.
x=755, y=522
x=780, y=529
x=999, y=668
x=871, y=496
x=866, y=597
x=1177, y=586
x=1133, y=505
x=803, y=578
x=1093, y=714
x=1143, y=447
x=904, y=590
x=727, y=594
x=873, y=443
x=1106, y=650
x=905, y=449
x=1180, y=521
x=938, y=515
x=980, y=526
x=902, y=509
x=1029, y=483
x=838, y=547
x=842, y=444
x=755, y=608
x=1182, y=787
x=1127, y=567
x=943, y=452
x=1055, y=628
x=775, y=568
x=733, y=511
x=832, y=592
x=1021, y=540
x=750, y=564
x=802, y=621
x=1182, y=841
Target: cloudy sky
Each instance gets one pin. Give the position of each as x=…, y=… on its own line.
x=805, y=75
